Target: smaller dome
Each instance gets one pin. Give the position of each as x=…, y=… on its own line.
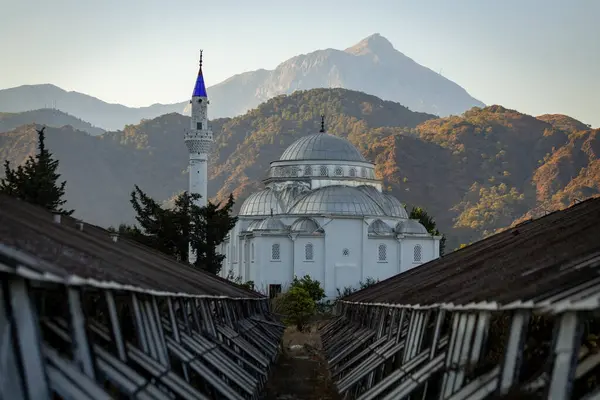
x=410, y=226
x=261, y=203
x=378, y=227
x=270, y=224
x=305, y=225
x=252, y=226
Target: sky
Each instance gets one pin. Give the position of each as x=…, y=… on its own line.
x=536, y=56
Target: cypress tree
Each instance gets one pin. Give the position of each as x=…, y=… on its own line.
x=36, y=181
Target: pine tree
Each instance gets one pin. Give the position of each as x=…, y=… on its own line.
x=428, y=222
x=36, y=181
x=173, y=231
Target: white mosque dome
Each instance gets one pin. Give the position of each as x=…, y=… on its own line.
x=305, y=225
x=322, y=146
x=337, y=200
x=378, y=227
x=261, y=203
x=270, y=224
x=410, y=226
x=252, y=225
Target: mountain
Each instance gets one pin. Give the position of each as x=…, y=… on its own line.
x=48, y=117
x=372, y=66
x=475, y=173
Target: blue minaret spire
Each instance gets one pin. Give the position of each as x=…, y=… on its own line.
x=200, y=88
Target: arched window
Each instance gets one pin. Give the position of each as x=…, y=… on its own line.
x=363, y=172
x=275, y=252
x=352, y=172
x=382, y=252
x=323, y=171
x=346, y=252
x=295, y=171
x=252, y=252
x=338, y=171
x=309, y=253
x=308, y=170
x=418, y=253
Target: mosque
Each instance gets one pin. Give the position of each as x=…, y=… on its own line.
x=322, y=213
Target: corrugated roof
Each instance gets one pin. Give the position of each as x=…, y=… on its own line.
x=527, y=262
x=92, y=254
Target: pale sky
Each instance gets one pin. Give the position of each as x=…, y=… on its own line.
x=536, y=56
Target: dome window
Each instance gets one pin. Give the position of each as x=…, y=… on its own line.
x=363, y=172
x=323, y=171
x=309, y=253
x=352, y=172
x=308, y=170
x=382, y=253
x=418, y=253
x=339, y=171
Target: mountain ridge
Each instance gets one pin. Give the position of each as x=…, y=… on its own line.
x=372, y=66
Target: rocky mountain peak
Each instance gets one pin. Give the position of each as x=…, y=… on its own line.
x=373, y=44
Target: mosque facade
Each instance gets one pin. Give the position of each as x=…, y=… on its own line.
x=323, y=213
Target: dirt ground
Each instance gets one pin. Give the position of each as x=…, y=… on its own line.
x=301, y=370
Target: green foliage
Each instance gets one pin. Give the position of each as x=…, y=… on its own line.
x=173, y=230
x=36, y=181
x=428, y=222
x=298, y=306
x=312, y=287
x=485, y=208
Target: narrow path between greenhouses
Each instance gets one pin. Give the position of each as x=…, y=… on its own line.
x=301, y=371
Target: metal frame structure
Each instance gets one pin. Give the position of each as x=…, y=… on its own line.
x=88, y=315
x=508, y=316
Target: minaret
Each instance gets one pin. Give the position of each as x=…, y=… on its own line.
x=198, y=140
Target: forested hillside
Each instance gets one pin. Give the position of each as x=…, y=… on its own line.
x=475, y=173
x=45, y=116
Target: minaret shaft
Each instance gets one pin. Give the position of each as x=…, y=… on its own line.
x=198, y=140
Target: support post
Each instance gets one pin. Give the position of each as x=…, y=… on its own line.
x=566, y=349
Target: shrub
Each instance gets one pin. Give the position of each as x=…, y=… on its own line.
x=298, y=306
x=313, y=287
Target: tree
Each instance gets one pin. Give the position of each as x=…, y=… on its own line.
x=36, y=181
x=428, y=222
x=298, y=306
x=174, y=230
x=312, y=287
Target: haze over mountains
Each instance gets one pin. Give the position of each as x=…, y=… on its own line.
x=372, y=66
x=475, y=173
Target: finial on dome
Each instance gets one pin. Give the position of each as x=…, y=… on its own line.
x=322, y=123
x=200, y=57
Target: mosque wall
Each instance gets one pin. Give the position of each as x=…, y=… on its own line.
x=381, y=258
x=309, y=257
x=343, y=257
x=416, y=251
